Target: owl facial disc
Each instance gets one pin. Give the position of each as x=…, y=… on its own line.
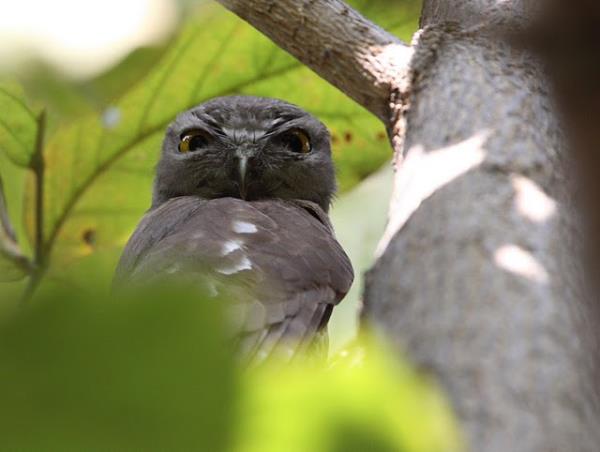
x=246, y=147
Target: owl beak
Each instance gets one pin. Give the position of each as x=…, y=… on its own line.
x=245, y=155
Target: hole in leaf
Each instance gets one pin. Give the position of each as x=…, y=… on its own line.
x=89, y=236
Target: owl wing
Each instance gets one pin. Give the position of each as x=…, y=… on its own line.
x=278, y=261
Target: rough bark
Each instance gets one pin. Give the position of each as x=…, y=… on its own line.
x=472, y=280
x=477, y=276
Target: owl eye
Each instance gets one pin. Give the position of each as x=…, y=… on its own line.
x=193, y=141
x=297, y=140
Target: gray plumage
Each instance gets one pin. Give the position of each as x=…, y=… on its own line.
x=240, y=202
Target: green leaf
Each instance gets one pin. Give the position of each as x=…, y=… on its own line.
x=18, y=125
x=123, y=76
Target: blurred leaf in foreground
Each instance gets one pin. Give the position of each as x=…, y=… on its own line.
x=154, y=373
x=95, y=375
x=365, y=401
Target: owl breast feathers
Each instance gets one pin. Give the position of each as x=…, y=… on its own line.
x=232, y=212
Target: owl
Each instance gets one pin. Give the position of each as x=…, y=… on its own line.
x=240, y=204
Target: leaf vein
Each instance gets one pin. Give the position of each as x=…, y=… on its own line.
x=162, y=81
x=19, y=102
x=13, y=134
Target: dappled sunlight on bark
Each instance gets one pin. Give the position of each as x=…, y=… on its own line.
x=531, y=201
x=518, y=261
x=424, y=172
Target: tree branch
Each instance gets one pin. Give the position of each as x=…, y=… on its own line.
x=358, y=57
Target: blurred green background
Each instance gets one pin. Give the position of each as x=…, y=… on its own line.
x=91, y=86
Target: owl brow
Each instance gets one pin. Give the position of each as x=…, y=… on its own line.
x=211, y=122
x=282, y=125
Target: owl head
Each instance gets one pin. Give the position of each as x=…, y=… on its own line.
x=246, y=147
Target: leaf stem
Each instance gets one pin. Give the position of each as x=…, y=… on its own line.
x=40, y=258
x=9, y=246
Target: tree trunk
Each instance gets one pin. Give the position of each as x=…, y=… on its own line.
x=477, y=277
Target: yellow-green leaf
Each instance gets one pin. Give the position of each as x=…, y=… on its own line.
x=18, y=125
x=365, y=401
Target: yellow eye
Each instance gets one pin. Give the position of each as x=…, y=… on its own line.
x=298, y=141
x=193, y=141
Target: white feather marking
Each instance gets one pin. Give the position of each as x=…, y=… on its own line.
x=230, y=246
x=521, y=262
x=243, y=227
x=243, y=264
